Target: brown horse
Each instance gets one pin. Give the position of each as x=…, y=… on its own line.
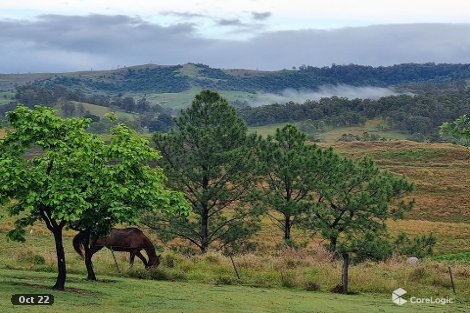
x=130, y=240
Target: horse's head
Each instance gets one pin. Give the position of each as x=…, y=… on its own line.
x=153, y=262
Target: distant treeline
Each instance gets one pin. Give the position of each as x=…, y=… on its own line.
x=31, y=95
x=421, y=114
x=156, y=118
x=161, y=79
x=173, y=79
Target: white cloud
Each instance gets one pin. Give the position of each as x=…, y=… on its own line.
x=300, y=96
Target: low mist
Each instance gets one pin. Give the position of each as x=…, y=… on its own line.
x=300, y=96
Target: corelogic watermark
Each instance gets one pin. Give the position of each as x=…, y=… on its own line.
x=398, y=297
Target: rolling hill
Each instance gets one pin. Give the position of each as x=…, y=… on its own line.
x=150, y=78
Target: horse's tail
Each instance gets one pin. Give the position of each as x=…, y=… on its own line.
x=77, y=244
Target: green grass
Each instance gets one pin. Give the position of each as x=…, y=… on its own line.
x=6, y=97
x=101, y=110
x=131, y=295
x=463, y=256
x=266, y=129
x=184, y=99
x=331, y=136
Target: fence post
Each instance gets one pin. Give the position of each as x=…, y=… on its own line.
x=452, y=280
x=234, y=267
x=115, y=261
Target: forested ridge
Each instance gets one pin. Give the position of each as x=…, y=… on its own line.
x=152, y=78
x=414, y=114
x=434, y=94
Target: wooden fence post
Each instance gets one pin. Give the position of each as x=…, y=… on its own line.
x=452, y=279
x=115, y=261
x=234, y=267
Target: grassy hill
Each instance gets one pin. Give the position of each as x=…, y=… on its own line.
x=150, y=78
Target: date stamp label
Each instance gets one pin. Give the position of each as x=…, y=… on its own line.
x=32, y=299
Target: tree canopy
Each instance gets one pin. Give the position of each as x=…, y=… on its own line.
x=457, y=131
x=52, y=169
x=287, y=164
x=211, y=158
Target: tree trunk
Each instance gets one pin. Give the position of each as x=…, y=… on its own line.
x=88, y=246
x=333, y=244
x=89, y=265
x=204, y=215
x=88, y=255
x=59, y=247
x=287, y=228
x=345, y=273
x=204, y=230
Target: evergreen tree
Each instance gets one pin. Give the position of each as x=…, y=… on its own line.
x=288, y=163
x=352, y=202
x=211, y=158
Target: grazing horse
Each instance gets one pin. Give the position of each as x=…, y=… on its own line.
x=130, y=240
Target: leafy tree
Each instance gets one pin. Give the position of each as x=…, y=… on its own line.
x=457, y=131
x=73, y=178
x=287, y=161
x=43, y=187
x=120, y=185
x=210, y=157
x=353, y=201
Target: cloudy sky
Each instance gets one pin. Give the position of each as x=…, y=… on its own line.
x=51, y=35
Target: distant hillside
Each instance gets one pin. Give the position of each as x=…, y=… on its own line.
x=179, y=78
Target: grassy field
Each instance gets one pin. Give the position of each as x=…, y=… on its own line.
x=131, y=295
x=6, y=96
x=100, y=111
x=331, y=136
x=183, y=99
x=441, y=174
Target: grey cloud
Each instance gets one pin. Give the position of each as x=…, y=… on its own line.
x=64, y=43
x=230, y=22
x=259, y=16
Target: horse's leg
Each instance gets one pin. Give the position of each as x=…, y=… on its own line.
x=140, y=256
x=131, y=259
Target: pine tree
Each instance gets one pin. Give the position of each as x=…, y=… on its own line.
x=211, y=158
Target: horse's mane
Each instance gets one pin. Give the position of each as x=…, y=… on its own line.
x=150, y=249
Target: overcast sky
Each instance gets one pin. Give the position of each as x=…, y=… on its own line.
x=63, y=35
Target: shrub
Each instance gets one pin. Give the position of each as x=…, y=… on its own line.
x=287, y=279
x=226, y=280
x=312, y=286
x=418, y=274
x=34, y=259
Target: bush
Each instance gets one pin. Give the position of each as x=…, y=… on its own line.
x=287, y=279
x=418, y=274
x=34, y=259
x=226, y=280
x=312, y=286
